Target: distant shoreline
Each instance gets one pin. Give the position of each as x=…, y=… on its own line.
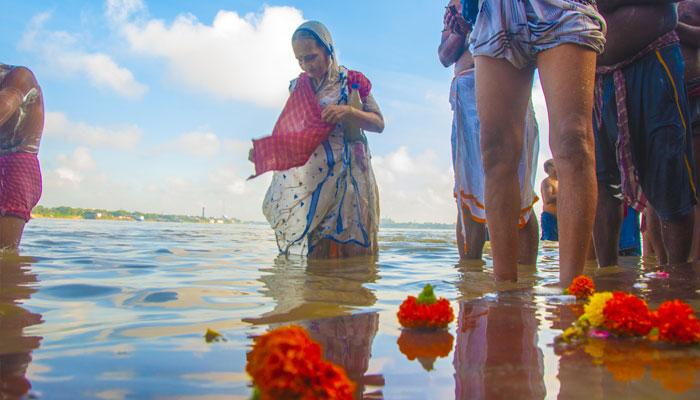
x=92, y=214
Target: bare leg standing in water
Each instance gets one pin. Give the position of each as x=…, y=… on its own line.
x=565, y=55
x=466, y=150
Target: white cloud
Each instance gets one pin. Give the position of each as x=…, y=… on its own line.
x=120, y=10
x=415, y=187
x=72, y=168
x=62, y=53
x=198, y=144
x=246, y=58
x=58, y=125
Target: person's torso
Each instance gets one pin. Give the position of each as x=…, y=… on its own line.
x=632, y=28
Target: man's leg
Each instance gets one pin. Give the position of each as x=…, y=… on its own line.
x=653, y=235
x=677, y=236
x=567, y=73
x=695, y=252
x=475, y=237
x=11, y=229
x=503, y=92
x=528, y=241
x=606, y=230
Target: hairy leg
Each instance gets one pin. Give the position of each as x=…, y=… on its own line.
x=677, y=235
x=11, y=229
x=653, y=234
x=567, y=73
x=529, y=241
x=606, y=230
x=503, y=92
x=475, y=237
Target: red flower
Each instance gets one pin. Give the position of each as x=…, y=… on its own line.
x=286, y=364
x=425, y=316
x=582, y=287
x=677, y=323
x=627, y=315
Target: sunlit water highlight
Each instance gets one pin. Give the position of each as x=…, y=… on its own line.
x=118, y=310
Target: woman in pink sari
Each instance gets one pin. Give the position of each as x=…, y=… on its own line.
x=323, y=197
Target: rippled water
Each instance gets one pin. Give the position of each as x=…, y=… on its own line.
x=118, y=310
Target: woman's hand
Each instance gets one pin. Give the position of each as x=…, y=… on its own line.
x=334, y=114
x=251, y=156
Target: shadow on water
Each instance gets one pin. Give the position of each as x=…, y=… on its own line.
x=16, y=286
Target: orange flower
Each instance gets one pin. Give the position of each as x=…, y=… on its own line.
x=286, y=364
x=425, y=316
x=426, y=311
x=627, y=315
x=581, y=287
x=677, y=323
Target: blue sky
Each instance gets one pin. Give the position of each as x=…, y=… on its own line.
x=151, y=104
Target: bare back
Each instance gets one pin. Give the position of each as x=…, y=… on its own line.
x=632, y=28
x=689, y=15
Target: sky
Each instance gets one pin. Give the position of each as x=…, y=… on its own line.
x=151, y=105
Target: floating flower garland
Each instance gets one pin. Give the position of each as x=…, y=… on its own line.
x=286, y=363
x=626, y=315
x=426, y=311
x=582, y=287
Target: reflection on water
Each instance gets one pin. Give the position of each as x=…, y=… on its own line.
x=497, y=356
x=16, y=286
x=118, y=310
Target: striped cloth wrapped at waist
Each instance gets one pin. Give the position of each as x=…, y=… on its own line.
x=630, y=185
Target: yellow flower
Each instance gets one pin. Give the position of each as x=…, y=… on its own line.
x=593, y=311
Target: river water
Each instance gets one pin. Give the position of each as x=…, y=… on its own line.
x=118, y=310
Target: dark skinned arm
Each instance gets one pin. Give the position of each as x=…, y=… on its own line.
x=689, y=34
x=14, y=87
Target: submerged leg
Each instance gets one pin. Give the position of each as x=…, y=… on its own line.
x=503, y=92
x=567, y=73
x=606, y=230
x=11, y=229
x=470, y=247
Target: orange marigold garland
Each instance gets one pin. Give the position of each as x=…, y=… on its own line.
x=627, y=315
x=582, y=287
x=677, y=323
x=286, y=363
x=426, y=311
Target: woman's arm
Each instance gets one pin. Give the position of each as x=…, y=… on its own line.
x=367, y=120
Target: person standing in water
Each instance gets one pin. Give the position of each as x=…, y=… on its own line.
x=327, y=203
x=21, y=126
x=466, y=149
x=561, y=39
x=549, y=189
x=643, y=135
x=688, y=30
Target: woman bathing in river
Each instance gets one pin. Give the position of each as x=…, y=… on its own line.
x=323, y=194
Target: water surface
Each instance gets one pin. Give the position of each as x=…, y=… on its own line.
x=118, y=310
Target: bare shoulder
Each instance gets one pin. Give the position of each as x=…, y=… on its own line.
x=21, y=78
x=689, y=12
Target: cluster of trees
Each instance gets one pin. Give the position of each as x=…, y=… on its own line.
x=89, y=213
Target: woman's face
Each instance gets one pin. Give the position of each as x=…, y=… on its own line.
x=312, y=58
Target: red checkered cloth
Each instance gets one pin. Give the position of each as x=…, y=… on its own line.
x=20, y=184
x=299, y=129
